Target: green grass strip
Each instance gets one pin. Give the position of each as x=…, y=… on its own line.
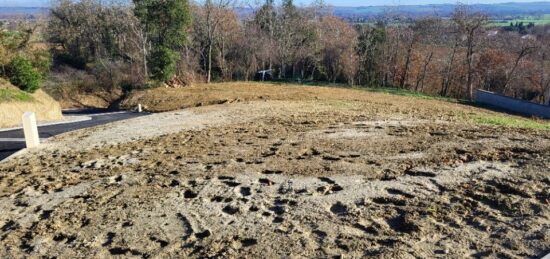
x=510, y=122
x=8, y=95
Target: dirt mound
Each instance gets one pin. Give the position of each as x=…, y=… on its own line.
x=389, y=177
x=170, y=99
x=14, y=102
x=97, y=99
x=85, y=101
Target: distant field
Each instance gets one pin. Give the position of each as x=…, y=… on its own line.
x=497, y=22
x=537, y=20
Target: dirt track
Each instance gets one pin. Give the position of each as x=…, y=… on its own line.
x=377, y=176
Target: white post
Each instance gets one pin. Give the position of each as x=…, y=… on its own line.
x=139, y=108
x=30, y=129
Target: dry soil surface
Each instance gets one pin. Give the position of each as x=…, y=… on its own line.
x=376, y=176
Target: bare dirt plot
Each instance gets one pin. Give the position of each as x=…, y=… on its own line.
x=169, y=99
x=385, y=177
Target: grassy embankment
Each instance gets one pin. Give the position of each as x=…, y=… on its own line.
x=14, y=102
x=9, y=95
x=486, y=119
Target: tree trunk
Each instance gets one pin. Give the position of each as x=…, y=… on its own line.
x=447, y=79
x=469, y=59
x=145, y=69
x=223, y=68
x=544, y=83
x=209, y=70
x=424, y=69
x=394, y=61
x=405, y=72
x=510, y=75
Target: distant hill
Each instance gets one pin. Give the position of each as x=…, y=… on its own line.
x=366, y=12
x=10, y=12
x=443, y=10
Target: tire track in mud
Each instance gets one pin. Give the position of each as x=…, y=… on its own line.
x=295, y=185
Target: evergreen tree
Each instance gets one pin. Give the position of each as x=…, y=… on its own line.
x=165, y=23
x=289, y=9
x=266, y=16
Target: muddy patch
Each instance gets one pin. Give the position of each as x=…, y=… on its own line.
x=319, y=181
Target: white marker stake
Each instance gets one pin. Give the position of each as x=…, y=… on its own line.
x=30, y=130
x=139, y=108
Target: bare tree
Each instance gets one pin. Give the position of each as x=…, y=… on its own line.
x=339, y=41
x=420, y=29
x=448, y=69
x=422, y=76
x=103, y=36
x=211, y=18
x=470, y=25
x=523, y=46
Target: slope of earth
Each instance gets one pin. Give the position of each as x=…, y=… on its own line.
x=74, y=88
x=169, y=99
x=14, y=102
x=371, y=175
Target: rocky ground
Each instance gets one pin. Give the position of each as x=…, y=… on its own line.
x=378, y=176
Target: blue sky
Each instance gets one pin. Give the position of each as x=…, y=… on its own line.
x=331, y=2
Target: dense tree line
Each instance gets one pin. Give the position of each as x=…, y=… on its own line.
x=177, y=42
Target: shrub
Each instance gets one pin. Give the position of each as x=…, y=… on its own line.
x=163, y=64
x=42, y=61
x=23, y=75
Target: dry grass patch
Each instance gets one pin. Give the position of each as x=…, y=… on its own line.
x=14, y=102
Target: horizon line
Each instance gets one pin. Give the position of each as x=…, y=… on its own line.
x=346, y=6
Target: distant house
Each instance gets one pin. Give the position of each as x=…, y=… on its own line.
x=529, y=37
x=492, y=33
x=264, y=75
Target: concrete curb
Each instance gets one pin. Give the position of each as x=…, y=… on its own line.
x=24, y=150
x=107, y=113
